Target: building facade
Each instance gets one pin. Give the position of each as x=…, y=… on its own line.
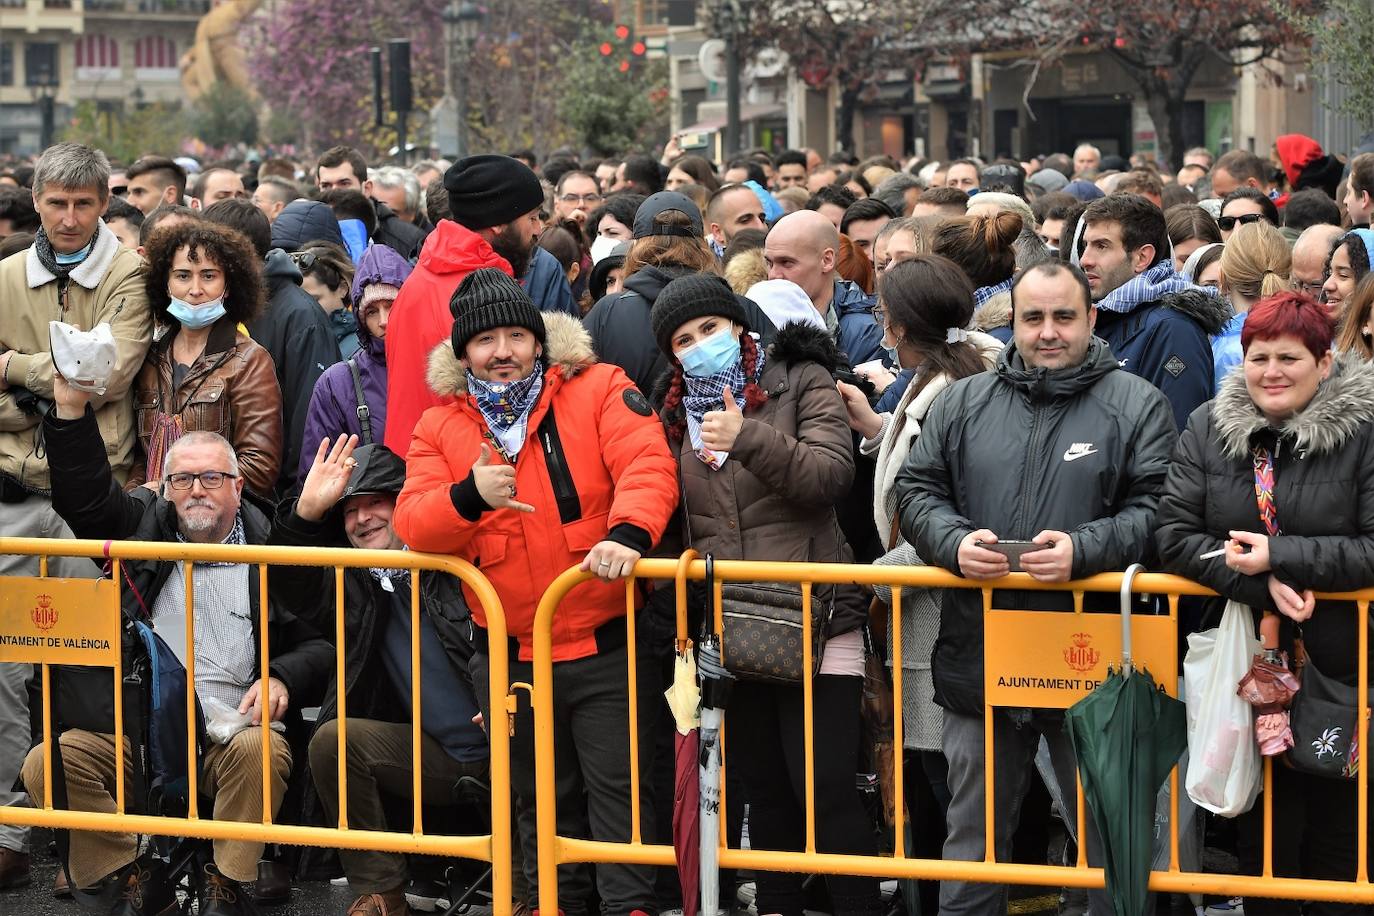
x=55, y=54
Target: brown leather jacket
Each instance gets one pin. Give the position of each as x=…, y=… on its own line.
x=231, y=389
x=792, y=461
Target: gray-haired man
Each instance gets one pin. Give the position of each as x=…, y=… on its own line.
x=75, y=271
x=200, y=503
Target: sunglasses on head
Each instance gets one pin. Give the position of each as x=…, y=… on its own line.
x=303, y=259
x=1227, y=223
x=119, y=190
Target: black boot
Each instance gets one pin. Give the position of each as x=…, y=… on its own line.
x=147, y=890
x=221, y=896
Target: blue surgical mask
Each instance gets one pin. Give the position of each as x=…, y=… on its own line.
x=73, y=257
x=892, y=357
x=711, y=354
x=195, y=317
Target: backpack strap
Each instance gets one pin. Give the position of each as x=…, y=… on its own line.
x=364, y=415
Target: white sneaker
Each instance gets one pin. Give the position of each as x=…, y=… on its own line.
x=1233, y=907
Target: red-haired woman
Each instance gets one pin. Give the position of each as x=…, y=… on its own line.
x=764, y=451
x=1279, y=470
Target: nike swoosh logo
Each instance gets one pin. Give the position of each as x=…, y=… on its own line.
x=1074, y=456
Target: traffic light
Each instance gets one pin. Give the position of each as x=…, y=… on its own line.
x=624, y=50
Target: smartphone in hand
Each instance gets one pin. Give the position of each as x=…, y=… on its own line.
x=1013, y=550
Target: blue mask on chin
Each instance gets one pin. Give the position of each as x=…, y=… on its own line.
x=195, y=317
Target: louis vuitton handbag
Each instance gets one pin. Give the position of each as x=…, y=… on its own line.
x=762, y=635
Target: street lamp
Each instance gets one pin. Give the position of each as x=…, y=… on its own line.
x=734, y=12
x=462, y=21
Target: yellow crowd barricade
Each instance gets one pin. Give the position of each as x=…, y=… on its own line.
x=46, y=621
x=1044, y=659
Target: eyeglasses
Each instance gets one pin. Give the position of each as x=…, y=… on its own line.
x=879, y=315
x=210, y=480
x=592, y=198
x=1227, y=223
x=1312, y=289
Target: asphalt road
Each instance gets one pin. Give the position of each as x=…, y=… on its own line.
x=309, y=898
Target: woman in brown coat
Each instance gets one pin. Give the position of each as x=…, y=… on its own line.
x=204, y=373
x=764, y=451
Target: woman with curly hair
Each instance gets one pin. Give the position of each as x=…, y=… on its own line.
x=764, y=453
x=203, y=372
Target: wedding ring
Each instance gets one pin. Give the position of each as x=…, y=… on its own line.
x=512, y=491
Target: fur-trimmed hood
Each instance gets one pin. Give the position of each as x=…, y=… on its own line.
x=567, y=349
x=1342, y=405
x=1210, y=312
x=994, y=313
x=801, y=343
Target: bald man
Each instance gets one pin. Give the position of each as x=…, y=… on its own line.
x=1310, y=254
x=804, y=247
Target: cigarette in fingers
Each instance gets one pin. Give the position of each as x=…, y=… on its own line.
x=1212, y=554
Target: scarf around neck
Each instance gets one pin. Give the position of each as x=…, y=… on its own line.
x=506, y=407
x=1153, y=284
x=706, y=394
x=48, y=258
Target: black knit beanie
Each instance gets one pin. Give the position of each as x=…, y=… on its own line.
x=486, y=299
x=485, y=191
x=693, y=296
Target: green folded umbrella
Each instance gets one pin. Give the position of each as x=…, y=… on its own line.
x=1127, y=735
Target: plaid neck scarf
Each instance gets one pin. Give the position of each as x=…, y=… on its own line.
x=386, y=576
x=1264, y=490
x=1153, y=284
x=983, y=293
x=705, y=394
x=506, y=407
x=48, y=258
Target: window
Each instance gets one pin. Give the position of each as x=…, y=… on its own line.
x=40, y=63
x=155, y=58
x=97, y=58
x=652, y=13
x=6, y=64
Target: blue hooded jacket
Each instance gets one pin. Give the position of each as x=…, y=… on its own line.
x=860, y=337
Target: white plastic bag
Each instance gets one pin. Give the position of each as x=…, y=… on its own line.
x=1224, y=772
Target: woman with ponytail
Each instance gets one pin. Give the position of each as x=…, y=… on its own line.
x=983, y=247
x=1255, y=265
x=924, y=304
x=764, y=452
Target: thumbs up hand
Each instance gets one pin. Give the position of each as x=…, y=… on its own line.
x=496, y=482
x=720, y=428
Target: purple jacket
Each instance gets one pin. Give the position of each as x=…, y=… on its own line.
x=334, y=404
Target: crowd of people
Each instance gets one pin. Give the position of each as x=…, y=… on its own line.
x=542, y=364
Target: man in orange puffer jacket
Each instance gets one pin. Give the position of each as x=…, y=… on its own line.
x=544, y=459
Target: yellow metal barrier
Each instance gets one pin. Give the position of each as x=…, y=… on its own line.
x=555, y=850
x=73, y=621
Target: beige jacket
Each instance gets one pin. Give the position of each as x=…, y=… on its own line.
x=106, y=287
